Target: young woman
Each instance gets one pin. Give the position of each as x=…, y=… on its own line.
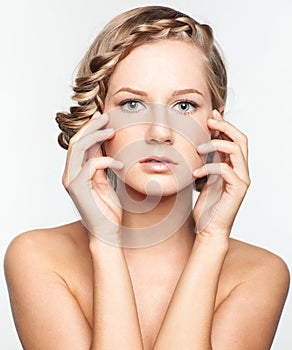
x=144, y=268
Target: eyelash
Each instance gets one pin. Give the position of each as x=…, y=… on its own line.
x=124, y=102
x=191, y=103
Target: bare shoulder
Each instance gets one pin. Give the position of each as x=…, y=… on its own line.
x=47, y=241
x=254, y=285
x=247, y=263
x=42, y=269
x=252, y=261
x=47, y=250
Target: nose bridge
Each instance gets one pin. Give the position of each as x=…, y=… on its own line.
x=159, y=127
x=159, y=114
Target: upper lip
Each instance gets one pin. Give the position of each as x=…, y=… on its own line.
x=160, y=159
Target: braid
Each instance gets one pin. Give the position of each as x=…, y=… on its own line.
x=112, y=45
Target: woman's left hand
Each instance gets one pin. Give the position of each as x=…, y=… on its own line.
x=214, y=213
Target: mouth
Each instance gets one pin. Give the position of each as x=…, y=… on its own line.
x=157, y=164
x=154, y=159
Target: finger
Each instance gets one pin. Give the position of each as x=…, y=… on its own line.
x=89, y=140
x=92, y=197
x=97, y=121
x=229, y=176
x=95, y=165
x=234, y=152
x=229, y=130
x=76, y=156
x=106, y=194
x=94, y=151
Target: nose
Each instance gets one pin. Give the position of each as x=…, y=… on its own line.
x=159, y=131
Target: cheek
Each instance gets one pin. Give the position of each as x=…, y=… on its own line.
x=188, y=151
x=192, y=128
x=190, y=134
x=124, y=141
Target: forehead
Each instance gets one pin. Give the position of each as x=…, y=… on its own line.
x=165, y=63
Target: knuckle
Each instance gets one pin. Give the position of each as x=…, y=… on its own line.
x=244, y=184
x=77, y=144
x=248, y=182
x=223, y=124
x=224, y=167
x=92, y=163
x=73, y=188
x=244, y=138
x=236, y=147
x=240, y=188
x=65, y=182
x=73, y=140
x=216, y=143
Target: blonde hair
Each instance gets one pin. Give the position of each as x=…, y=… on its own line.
x=126, y=31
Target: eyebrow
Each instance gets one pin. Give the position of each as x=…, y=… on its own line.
x=175, y=93
x=186, y=91
x=133, y=91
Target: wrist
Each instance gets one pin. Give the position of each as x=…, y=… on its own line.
x=99, y=245
x=99, y=240
x=212, y=242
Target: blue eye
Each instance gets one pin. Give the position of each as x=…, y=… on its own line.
x=185, y=106
x=132, y=106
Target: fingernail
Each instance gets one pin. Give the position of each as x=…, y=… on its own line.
x=117, y=164
x=212, y=121
x=217, y=114
x=109, y=130
x=196, y=172
x=103, y=117
x=203, y=147
x=206, y=147
x=95, y=115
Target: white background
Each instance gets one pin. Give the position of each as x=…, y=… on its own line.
x=41, y=45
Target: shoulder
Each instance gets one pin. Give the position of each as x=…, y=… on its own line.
x=42, y=269
x=255, y=260
x=261, y=270
x=48, y=237
x=255, y=284
x=45, y=247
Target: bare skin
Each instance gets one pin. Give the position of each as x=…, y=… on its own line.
x=206, y=291
x=54, y=273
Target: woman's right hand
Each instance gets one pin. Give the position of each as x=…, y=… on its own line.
x=85, y=180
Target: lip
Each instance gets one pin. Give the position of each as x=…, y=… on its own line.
x=162, y=164
x=163, y=160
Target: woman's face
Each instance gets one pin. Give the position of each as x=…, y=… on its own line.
x=158, y=102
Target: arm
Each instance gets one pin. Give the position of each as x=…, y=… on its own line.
x=188, y=321
x=115, y=318
x=246, y=319
x=191, y=321
x=46, y=312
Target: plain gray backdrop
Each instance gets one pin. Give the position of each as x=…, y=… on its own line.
x=41, y=45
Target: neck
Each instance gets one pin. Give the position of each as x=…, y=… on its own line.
x=156, y=224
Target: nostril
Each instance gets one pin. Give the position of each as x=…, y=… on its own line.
x=159, y=140
x=159, y=134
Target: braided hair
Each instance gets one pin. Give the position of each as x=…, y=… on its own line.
x=125, y=32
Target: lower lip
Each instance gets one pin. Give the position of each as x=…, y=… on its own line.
x=157, y=167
